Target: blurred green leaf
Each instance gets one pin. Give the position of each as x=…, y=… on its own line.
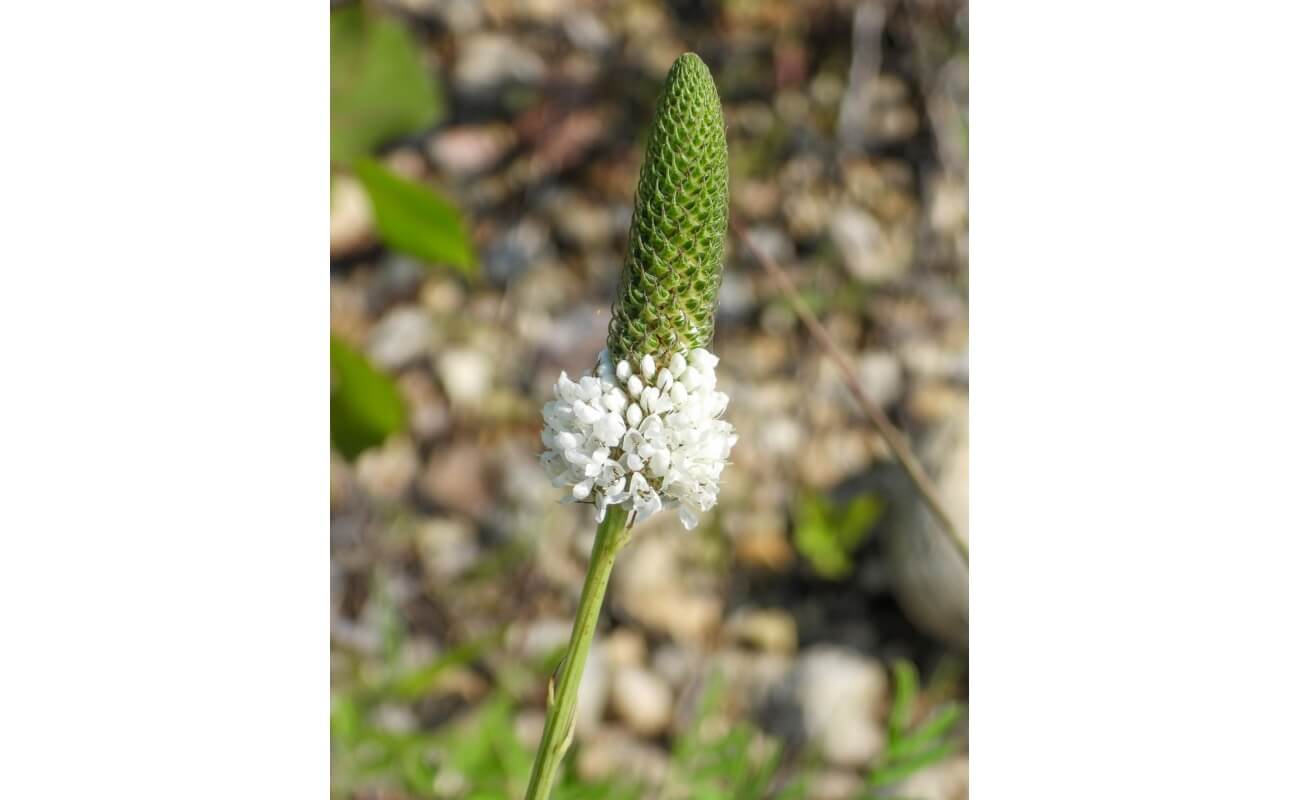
x=911, y=749
x=896, y=771
x=365, y=407
x=726, y=766
x=345, y=718
x=900, y=713
x=419, y=681
x=379, y=90
x=827, y=535
x=937, y=727
x=413, y=218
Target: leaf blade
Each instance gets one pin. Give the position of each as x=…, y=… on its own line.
x=379, y=89
x=414, y=219
x=365, y=406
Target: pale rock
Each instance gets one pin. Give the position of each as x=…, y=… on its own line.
x=386, y=472
x=349, y=316
x=530, y=724
x=448, y=546
x=753, y=677
x=773, y=243
x=468, y=150
x=808, y=211
x=892, y=118
x=402, y=336
x=946, y=780
x=588, y=224
x=869, y=253
x=593, y=693
x=586, y=31
x=624, y=647
x=674, y=664
x=765, y=548
x=487, y=60
x=771, y=630
x=948, y=206
x=643, y=700
x=393, y=718
x=829, y=458
x=426, y=409
x=760, y=537
x=781, y=436
x=757, y=199
x=442, y=297
x=844, y=699
x=351, y=221
x=649, y=587
x=539, y=639
x=460, y=16
x=882, y=377
x=466, y=375
x=613, y=752
x=836, y=784
x=450, y=782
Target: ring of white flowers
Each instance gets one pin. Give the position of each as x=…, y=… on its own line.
x=645, y=437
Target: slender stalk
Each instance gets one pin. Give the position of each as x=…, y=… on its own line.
x=562, y=695
x=892, y=436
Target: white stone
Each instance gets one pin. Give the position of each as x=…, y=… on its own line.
x=643, y=700
x=844, y=699
x=466, y=375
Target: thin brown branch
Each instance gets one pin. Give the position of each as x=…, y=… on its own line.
x=892, y=435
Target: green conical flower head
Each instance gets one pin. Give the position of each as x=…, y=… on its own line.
x=668, y=291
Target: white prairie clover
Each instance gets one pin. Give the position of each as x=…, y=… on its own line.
x=643, y=431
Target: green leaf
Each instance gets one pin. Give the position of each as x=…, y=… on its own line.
x=413, y=218
x=905, y=687
x=936, y=728
x=345, y=718
x=365, y=407
x=897, y=771
x=827, y=536
x=379, y=90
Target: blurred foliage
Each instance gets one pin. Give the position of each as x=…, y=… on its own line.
x=911, y=748
x=827, y=534
x=365, y=406
x=379, y=90
x=715, y=759
x=414, y=219
x=732, y=764
x=480, y=753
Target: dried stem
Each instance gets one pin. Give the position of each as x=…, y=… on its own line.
x=893, y=437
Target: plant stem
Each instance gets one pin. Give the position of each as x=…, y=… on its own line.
x=562, y=696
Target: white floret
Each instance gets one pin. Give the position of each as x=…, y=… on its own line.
x=645, y=442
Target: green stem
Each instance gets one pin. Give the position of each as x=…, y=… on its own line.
x=563, y=695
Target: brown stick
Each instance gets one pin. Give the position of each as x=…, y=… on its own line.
x=893, y=437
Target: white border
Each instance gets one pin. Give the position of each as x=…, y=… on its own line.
x=1135, y=176
x=163, y=317
x=163, y=322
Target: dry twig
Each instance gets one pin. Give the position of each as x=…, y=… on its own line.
x=893, y=437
